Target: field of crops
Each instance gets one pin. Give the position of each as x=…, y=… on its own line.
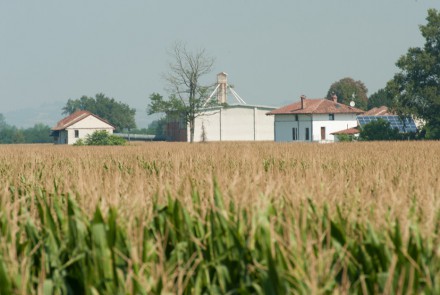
x=220, y=218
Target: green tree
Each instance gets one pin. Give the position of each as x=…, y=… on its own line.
x=157, y=127
x=117, y=113
x=418, y=82
x=382, y=97
x=188, y=96
x=40, y=133
x=345, y=137
x=379, y=130
x=3, y=123
x=10, y=134
x=347, y=89
x=101, y=137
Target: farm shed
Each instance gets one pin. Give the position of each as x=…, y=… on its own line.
x=234, y=123
x=348, y=132
x=313, y=120
x=225, y=122
x=77, y=126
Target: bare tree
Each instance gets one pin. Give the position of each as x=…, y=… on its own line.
x=187, y=95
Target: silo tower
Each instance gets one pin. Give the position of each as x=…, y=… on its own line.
x=222, y=82
x=221, y=91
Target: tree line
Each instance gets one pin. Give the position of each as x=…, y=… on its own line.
x=414, y=91
x=40, y=133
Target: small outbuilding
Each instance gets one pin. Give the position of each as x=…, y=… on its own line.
x=77, y=126
x=313, y=120
x=351, y=132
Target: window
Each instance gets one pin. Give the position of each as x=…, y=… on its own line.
x=307, y=134
x=296, y=117
x=76, y=133
x=331, y=117
x=294, y=133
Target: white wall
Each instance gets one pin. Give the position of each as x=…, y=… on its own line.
x=235, y=123
x=285, y=123
x=341, y=122
x=85, y=127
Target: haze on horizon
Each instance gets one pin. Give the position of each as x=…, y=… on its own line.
x=273, y=51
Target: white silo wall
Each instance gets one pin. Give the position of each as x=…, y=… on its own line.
x=235, y=123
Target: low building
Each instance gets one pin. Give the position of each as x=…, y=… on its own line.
x=313, y=120
x=234, y=123
x=224, y=122
x=77, y=126
x=350, y=132
x=227, y=123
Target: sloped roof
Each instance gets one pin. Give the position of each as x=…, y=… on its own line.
x=316, y=106
x=349, y=131
x=380, y=111
x=74, y=118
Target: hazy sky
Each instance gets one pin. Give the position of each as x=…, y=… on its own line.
x=273, y=51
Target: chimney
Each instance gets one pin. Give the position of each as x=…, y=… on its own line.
x=303, y=98
x=334, y=97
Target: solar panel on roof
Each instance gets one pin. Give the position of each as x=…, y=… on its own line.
x=404, y=125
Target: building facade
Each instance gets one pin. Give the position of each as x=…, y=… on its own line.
x=313, y=120
x=77, y=126
x=226, y=123
x=234, y=123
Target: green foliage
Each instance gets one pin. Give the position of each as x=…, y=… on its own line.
x=382, y=97
x=379, y=130
x=118, y=114
x=40, y=133
x=157, y=127
x=173, y=106
x=188, y=95
x=417, y=89
x=347, y=89
x=224, y=250
x=345, y=137
x=101, y=138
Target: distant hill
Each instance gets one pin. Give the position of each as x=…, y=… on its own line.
x=48, y=114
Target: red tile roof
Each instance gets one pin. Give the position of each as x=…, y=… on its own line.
x=316, y=106
x=75, y=117
x=349, y=131
x=380, y=111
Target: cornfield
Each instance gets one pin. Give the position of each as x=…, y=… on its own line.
x=220, y=218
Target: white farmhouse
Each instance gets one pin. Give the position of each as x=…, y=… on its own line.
x=77, y=126
x=313, y=120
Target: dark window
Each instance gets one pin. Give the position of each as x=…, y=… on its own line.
x=322, y=133
x=307, y=134
x=296, y=117
x=331, y=117
x=76, y=133
x=294, y=133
